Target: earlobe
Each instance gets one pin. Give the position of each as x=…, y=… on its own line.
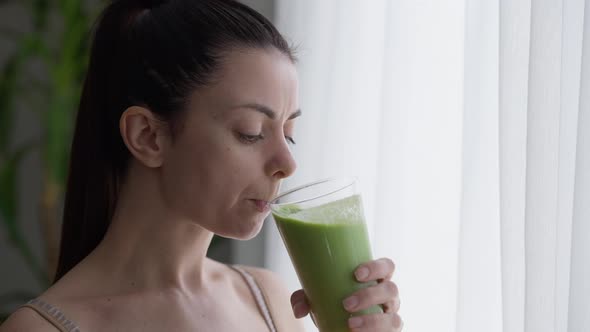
x=140, y=129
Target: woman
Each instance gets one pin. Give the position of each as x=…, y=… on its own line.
x=183, y=131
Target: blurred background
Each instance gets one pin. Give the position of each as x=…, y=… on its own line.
x=467, y=123
x=42, y=57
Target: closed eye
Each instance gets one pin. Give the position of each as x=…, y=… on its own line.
x=250, y=139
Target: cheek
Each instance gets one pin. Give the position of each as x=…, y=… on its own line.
x=205, y=183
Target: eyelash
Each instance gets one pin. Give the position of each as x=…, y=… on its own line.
x=251, y=139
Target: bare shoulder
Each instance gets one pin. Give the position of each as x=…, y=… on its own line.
x=278, y=296
x=270, y=280
x=25, y=319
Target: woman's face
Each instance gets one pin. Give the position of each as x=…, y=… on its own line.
x=232, y=148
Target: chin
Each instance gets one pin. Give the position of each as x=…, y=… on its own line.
x=248, y=231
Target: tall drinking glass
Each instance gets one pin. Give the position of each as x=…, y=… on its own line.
x=323, y=228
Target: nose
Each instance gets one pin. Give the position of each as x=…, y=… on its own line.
x=281, y=163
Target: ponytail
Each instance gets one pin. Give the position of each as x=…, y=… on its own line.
x=151, y=54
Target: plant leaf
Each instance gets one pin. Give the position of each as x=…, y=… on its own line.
x=8, y=212
x=7, y=87
x=8, y=191
x=40, y=10
x=28, y=46
x=59, y=122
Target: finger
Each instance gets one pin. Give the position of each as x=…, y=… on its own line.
x=298, y=296
x=299, y=304
x=380, y=269
x=392, y=306
x=367, y=297
x=301, y=309
x=376, y=322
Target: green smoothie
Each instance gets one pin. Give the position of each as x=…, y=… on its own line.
x=326, y=244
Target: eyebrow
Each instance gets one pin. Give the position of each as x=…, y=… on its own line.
x=267, y=111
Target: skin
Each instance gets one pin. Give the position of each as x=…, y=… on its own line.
x=211, y=176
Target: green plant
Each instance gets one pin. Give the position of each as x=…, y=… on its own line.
x=60, y=46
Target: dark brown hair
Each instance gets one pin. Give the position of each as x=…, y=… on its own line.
x=152, y=54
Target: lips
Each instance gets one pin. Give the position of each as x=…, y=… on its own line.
x=261, y=206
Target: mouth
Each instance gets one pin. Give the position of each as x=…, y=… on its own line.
x=261, y=206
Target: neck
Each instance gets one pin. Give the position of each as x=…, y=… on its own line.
x=148, y=247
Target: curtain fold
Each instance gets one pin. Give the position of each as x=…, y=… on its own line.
x=579, y=287
x=542, y=165
x=514, y=40
x=479, y=281
x=571, y=57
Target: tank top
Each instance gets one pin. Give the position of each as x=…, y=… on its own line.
x=58, y=319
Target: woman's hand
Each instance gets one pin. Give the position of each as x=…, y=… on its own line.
x=385, y=293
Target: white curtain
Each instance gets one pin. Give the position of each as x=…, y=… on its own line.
x=468, y=124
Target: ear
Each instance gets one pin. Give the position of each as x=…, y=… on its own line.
x=144, y=134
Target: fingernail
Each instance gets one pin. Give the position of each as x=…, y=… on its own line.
x=355, y=322
x=298, y=310
x=350, y=303
x=362, y=273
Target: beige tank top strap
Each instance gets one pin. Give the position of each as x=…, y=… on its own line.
x=259, y=295
x=53, y=315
